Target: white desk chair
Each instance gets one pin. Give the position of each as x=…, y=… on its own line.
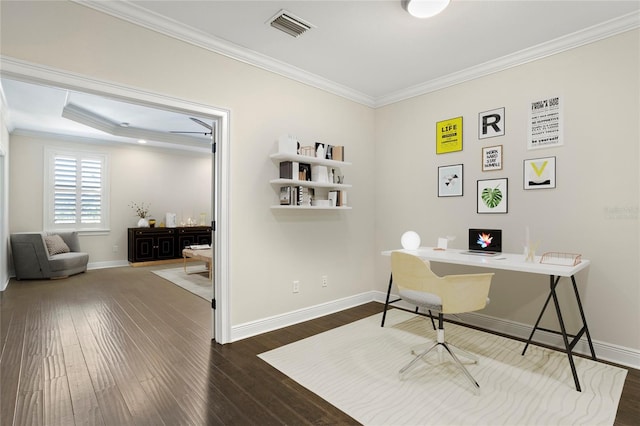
x=451, y=294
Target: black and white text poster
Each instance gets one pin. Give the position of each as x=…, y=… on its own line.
x=545, y=123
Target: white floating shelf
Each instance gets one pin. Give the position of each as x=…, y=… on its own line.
x=309, y=183
x=309, y=208
x=308, y=159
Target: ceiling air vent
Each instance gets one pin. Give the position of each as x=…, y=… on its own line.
x=289, y=23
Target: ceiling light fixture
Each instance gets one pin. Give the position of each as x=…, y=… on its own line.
x=424, y=8
x=142, y=141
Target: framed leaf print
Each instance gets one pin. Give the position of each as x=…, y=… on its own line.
x=493, y=195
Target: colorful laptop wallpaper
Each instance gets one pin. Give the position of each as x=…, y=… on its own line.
x=489, y=240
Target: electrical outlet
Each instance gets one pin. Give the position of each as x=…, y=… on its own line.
x=115, y=248
x=324, y=281
x=296, y=286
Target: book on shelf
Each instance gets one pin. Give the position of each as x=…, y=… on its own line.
x=285, y=195
x=304, y=171
x=342, y=195
x=304, y=196
x=338, y=198
x=289, y=169
x=337, y=153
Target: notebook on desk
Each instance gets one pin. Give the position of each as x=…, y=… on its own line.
x=485, y=242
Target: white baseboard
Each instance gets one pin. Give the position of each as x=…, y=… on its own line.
x=604, y=351
x=253, y=328
x=109, y=264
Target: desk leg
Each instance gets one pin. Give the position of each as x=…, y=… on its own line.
x=565, y=338
x=553, y=282
x=584, y=319
x=544, y=308
x=386, y=303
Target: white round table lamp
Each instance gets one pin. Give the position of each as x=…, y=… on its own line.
x=410, y=240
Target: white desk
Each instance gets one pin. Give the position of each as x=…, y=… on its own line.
x=515, y=262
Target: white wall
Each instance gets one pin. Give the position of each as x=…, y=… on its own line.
x=165, y=180
x=268, y=249
x=593, y=210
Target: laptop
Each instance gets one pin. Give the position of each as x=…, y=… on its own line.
x=485, y=242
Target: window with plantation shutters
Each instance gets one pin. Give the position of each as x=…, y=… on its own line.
x=77, y=196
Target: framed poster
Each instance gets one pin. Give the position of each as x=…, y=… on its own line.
x=450, y=181
x=491, y=123
x=545, y=123
x=540, y=173
x=449, y=135
x=492, y=158
x=492, y=195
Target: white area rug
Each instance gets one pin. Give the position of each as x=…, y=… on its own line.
x=197, y=281
x=355, y=368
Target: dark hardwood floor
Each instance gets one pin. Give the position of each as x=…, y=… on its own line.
x=122, y=346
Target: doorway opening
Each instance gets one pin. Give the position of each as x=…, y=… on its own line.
x=219, y=133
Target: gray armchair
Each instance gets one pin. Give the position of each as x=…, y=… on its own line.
x=31, y=258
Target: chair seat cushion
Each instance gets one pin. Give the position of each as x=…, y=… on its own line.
x=69, y=261
x=420, y=298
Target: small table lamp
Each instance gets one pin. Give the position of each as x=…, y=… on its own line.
x=410, y=240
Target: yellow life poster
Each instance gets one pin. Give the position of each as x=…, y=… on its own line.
x=449, y=135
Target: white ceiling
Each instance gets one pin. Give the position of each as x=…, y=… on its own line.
x=370, y=51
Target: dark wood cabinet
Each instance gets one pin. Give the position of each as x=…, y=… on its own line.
x=152, y=244
x=192, y=235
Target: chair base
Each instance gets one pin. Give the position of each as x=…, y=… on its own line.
x=451, y=350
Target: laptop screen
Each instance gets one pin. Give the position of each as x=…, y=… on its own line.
x=485, y=240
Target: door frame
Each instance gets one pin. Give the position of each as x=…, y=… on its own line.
x=39, y=74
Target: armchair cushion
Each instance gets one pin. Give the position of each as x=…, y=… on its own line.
x=55, y=244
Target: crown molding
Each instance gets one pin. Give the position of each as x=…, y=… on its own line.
x=144, y=18
x=571, y=41
x=138, y=16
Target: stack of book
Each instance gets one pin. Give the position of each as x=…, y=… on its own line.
x=295, y=196
x=304, y=196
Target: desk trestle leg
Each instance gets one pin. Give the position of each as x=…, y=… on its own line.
x=565, y=337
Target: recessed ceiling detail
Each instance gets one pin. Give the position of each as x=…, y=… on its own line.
x=289, y=23
x=91, y=119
